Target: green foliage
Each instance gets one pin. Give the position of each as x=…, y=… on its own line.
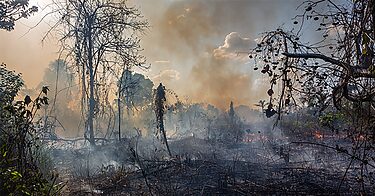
x=135, y=89
x=13, y=10
x=30, y=184
x=20, y=173
x=330, y=117
x=10, y=84
x=339, y=121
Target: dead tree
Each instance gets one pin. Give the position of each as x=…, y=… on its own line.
x=331, y=71
x=336, y=71
x=337, y=68
x=100, y=37
x=232, y=122
x=160, y=106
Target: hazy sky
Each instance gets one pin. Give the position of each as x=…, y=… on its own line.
x=194, y=46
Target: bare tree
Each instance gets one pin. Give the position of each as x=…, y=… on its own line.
x=160, y=107
x=100, y=37
x=338, y=68
x=333, y=70
x=121, y=90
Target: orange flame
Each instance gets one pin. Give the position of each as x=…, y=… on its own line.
x=318, y=135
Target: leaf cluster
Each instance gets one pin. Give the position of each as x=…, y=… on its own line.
x=13, y=10
x=20, y=174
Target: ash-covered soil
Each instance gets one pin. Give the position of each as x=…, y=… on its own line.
x=199, y=167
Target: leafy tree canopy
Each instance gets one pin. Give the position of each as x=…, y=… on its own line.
x=136, y=89
x=13, y=10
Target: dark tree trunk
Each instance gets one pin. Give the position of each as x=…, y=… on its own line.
x=91, y=83
x=159, y=111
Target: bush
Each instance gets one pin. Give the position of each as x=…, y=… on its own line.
x=20, y=173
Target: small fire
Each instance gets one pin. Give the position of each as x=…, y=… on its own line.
x=360, y=138
x=318, y=135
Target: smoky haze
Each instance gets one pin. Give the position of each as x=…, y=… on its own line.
x=205, y=44
x=196, y=47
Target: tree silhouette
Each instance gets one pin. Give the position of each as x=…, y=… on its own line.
x=135, y=90
x=100, y=37
x=160, y=107
x=13, y=10
x=338, y=68
x=326, y=63
x=231, y=113
x=235, y=124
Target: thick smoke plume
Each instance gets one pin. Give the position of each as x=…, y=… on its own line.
x=205, y=43
x=183, y=35
x=219, y=76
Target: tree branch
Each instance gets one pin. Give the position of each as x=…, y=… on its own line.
x=355, y=72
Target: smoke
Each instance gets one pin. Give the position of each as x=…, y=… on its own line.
x=166, y=75
x=206, y=41
x=183, y=35
x=64, y=99
x=224, y=75
x=22, y=49
x=187, y=27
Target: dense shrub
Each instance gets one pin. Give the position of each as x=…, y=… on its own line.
x=19, y=145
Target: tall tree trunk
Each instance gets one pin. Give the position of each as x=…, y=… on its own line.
x=159, y=111
x=373, y=17
x=162, y=131
x=119, y=110
x=91, y=83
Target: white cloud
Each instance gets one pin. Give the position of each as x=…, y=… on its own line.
x=234, y=47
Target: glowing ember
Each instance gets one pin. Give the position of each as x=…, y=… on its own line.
x=318, y=135
x=359, y=138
